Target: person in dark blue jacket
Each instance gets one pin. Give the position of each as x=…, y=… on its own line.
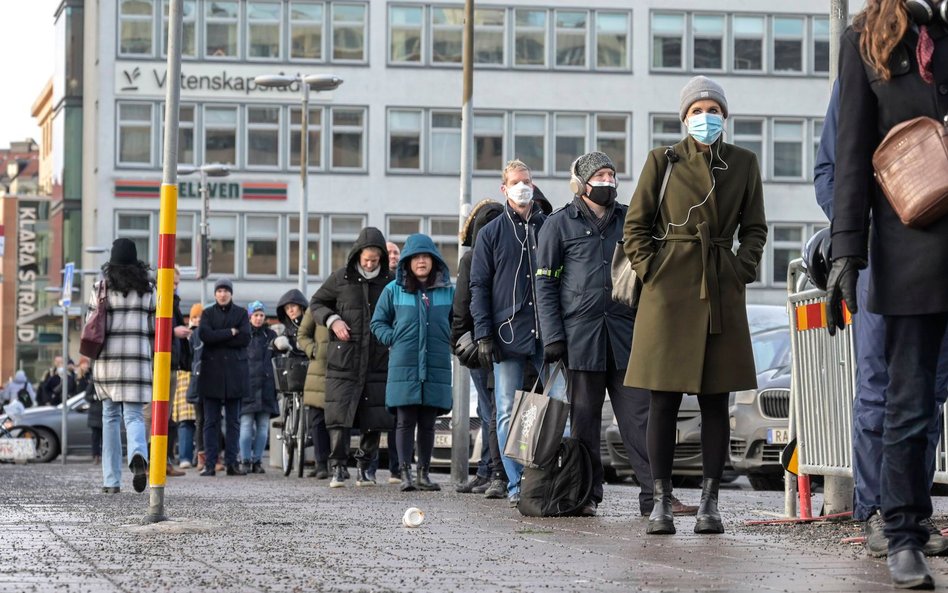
x=584, y=328
x=260, y=400
x=872, y=377
x=413, y=318
x=503, y=301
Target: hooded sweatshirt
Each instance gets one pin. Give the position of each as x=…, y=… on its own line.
x=291, y=325
x=13, y=388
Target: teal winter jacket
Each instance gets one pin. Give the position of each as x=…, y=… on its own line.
x=416, y=326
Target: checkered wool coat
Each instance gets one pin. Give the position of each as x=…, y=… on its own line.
x=123, y=371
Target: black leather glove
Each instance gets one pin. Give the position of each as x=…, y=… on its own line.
x=485, y=354
x=841, y=286
x=555, y=352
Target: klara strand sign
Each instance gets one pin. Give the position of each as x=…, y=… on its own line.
x=27, y=270
x=218, y=190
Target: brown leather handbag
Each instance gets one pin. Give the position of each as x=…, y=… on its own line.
x=911, y=166
x=92, y=339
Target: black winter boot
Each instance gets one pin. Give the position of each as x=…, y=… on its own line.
x=709, y=519
x=407, y=484
x=424, y=482
x=662, y=519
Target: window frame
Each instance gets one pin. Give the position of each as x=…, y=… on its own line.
x=693, y=37
x=211, y=237
x=420, y=112
x=349, y=238
x=208, y=20
x=503, y=140
x=247, y=237
x=626, y=137
x=282, y=36
x=547, y=44
x=594, y=65
x=810, y=29
x=586, y=35
x=121, y=19
x=323, y=36
x=315, y=222
x=295, y=131
x=585, y=135
x=184, y=22
x=183, y=231
x=774, y=37
x=119, y=163
x=665, y=135
x=432, y=27
x=537, y=171
x=137, y=234
x=422, y=36
x=765, y=148
x=504, y=38
x=683, y=55
x=773, y=245
x=430, y=133
x=330, y=137
x=366, y=33
x=772, y=141
x=734, y=36
x=238, y=144
x=249, y=128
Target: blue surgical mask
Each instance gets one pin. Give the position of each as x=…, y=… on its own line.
x=705, y=127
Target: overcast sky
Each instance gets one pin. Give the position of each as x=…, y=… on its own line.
x=26, y=45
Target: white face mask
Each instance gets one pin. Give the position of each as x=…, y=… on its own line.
x=521, y=194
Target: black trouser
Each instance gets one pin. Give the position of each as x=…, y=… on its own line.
x=212, y=429
x=663, y=426
x=912, y=345
x=199, y=426
x=339, y=446
x=407, y=418
x=587, y=390
x=319, y=433
x=96, y=441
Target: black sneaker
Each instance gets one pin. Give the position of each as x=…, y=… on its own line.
x=469, y=486
x=589, y=510
x=363, y=478
x=482, y=488
x=338, y=478
x=496, y=489
x=877, y=544
x=937, y=543
x=139, y=468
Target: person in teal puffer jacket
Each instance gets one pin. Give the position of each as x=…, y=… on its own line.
x=413, y=318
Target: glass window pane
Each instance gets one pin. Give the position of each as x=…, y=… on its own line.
x=705, y=24
x=571, y=38
x=446, y=34
x=667, y=33
x=748, y=54
x=348, y=32
x=264, y=29
x=134, y=222
x=749, y=26
x=784, y=233
x=612, y=40
x=570, y=140
x=184, y=251
x=404, y=226
x=789, y=27
x=406, y=27
x=708, y=42
x=312, y=246
x=752, y=127
x=530, y=37
x=306, y=31
x=489, y=39
x=673, y=24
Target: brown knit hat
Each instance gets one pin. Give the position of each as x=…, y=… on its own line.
x=196, y=310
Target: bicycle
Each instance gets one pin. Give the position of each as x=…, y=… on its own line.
x=289, y=373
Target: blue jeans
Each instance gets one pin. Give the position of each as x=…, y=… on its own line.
x=485, y=405
x=508, y=379
x=112, y=414
x=872, y=379
x=186, y=441
x=253, y=434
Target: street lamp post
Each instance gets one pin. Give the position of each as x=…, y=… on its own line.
x=316, y=82
x=206, y=170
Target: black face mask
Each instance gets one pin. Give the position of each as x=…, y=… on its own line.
x=604, y=195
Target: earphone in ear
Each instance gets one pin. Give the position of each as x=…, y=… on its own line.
x=924, y=11
x=576, y=185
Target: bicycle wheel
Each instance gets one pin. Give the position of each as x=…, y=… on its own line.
x=300, y=436
x=286, y=436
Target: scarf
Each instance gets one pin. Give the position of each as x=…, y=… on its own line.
x=588, y=214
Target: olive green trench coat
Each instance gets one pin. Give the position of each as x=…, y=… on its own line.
x=313, y=339
x=691, y=332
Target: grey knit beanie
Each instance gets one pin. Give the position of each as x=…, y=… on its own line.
x=224, y=283
x=698, y=88
x=589, y=163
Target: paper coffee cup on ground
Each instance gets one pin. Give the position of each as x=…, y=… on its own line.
x=413, y=517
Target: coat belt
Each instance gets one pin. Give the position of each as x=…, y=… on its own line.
x=710, y=289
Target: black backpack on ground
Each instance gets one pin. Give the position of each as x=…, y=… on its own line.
x=24, y=396
x=560, y=489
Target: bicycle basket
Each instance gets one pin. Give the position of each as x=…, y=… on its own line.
x=289, y=373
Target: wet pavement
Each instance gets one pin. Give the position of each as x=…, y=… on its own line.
x=58, y=532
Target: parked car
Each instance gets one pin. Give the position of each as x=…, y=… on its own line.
x=760, y=428
x=770, y=340
x=444, y=437
x=48, y=422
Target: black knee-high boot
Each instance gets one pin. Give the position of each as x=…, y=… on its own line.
x=662, y=519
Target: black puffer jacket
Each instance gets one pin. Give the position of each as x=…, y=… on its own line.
x=482, y=213
x=357, y=369
x=261, y=396
x=291, y=325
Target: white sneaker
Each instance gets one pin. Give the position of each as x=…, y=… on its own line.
x=185, y=465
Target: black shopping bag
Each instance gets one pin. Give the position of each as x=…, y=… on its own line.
x=537, y=424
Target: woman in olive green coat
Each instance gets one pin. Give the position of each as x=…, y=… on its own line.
x=313, y=339
x=691, y=333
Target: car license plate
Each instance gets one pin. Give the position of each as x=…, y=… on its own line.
x=778, y=436
x=442, y=441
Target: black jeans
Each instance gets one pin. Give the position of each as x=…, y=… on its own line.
x=587, y=391
x=319, y=433
x=663, y=426
x=339, y=446
x=96, y=441
x=912, y=345
x=212, y=429
x=407, y=418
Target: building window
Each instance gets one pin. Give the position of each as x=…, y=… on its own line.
x=667, y=130
x=821, y=44
x=220, y=135
x=184, y=240
x=446, y=31
x=788, y=149
x=489, y=40
x=399, y=227
x=262, y=233
x=264, y=20
x=222, y=240
x=571, y=26
x=263, y=137
x=135, y=27
x=344, y=231
x=186, y=155
x=348, y=32
x=748, y=43
x=530, y=32
x=404, y=140
x=569, y=139
x=306, y=31
x=314, y=128
x=788, y=44
x=787, y=241
x=612, y=40
x=220, y=29
x=188, y=29
x=488, y=142
x=668, y=32
x=406, y=30
x=313, y=230
x=445, y=145
x=348, y=138
x=137, y=228
x=707, y=42
x=135, y=125
x=530, y=140
x=444, y=233
x=612, y=134
x=749, y=134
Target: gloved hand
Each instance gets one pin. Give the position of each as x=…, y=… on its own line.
x=841, y=286
x=555, y=352
x=282, y=343
x=485, y=354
